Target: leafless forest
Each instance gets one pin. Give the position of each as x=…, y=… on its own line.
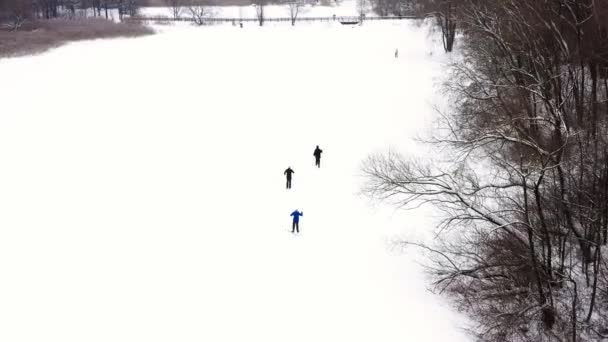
x=34, y=26
x=13, y=13
x=525, y=190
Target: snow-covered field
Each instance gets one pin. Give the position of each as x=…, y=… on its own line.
x=142, y=195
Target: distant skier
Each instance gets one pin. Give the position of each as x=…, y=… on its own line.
x=295, y=226
x=317, y=155
x=396, y=53
x=288, y=172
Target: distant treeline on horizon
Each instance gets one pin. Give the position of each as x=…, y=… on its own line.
x=162, y=3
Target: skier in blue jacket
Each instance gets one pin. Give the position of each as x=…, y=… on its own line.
x=295, y=227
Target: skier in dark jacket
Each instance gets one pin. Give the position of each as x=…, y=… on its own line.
x=288, y=172
x=317, y=155
x=295, y=226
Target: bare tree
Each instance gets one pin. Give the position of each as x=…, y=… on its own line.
x=15, y=12
x=446, y=19
x=81, y=7
x=176, y=7
x=47, y=8
x=201, y=11
x=70, y=6
x=381, y=7
x=445, y=13
x=260, y=5
x=363, y=7
x=294, y=8
x=132, y=7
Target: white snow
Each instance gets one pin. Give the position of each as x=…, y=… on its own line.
x=142, y=195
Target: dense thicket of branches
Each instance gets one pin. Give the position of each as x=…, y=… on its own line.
x=14, y=12
x=526, y=192
x=393, y=7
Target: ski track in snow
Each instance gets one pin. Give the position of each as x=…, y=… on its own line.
x=142, y=195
